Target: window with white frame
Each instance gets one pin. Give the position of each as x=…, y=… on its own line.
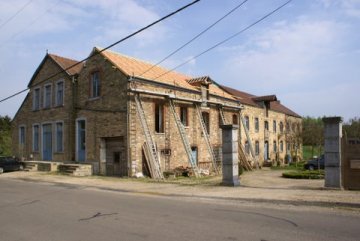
x=257, y=148
x=274, y=126
x=274, y=146
x=60, y=93
x=256, y=124
x=22, y=135
x=36, y=99
x=95, y=84
x=36, y=138
x=247, y=123
x=47, y=96
x=59, y=137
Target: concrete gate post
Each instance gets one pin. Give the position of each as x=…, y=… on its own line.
x=332, y=138
x=230, y=161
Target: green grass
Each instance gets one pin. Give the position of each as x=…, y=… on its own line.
x=304, y=174
x=307, y=152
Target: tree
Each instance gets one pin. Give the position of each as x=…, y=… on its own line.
x=5, y=135
x=313, y=132
x=352, y=127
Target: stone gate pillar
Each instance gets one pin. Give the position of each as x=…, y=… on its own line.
x=332, y=138
x=230, y=161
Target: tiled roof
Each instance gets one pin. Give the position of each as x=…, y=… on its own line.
x=249, y=99
x=62, y=62
x=139, y=68
x=65, y=63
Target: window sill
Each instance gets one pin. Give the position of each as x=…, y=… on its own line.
x=94, y=98
x=160, y=133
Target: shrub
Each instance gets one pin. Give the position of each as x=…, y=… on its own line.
x=304, y=174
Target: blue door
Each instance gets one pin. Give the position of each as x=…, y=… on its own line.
x=266, y=151
x=194, y=154
x=81, y=140
x=47, y=142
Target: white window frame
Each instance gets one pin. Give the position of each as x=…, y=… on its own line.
x=92, y=93
x=34, y=98
x=56, y=92
x=20, y=127
x=56, y=137
x=33, y=137
x=44, y=99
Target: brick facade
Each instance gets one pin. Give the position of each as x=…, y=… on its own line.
x=113, y=138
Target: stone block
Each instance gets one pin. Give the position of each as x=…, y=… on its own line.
x=333, y=177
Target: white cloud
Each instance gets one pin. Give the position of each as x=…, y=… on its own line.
x=285, y=55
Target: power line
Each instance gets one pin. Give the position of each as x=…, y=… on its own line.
x=194, y=38
x=108, y=47
x=15, y=14
x=30, y=24
x=225, y=40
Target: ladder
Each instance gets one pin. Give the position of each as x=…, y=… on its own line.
x=207, y=139
x=249, y=139
x=150, y=151
x=184, y=139
x=223, y=120
x=243, y=156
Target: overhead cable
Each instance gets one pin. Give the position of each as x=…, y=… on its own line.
x=225, y=40
x=108, y=47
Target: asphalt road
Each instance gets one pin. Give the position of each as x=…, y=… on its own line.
x=37, y=211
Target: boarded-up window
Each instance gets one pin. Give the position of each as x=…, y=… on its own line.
x=159, y=118
x=206, y=118
x=184, y=116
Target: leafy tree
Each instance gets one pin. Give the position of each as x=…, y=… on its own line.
x=352, y=127
x=5, y=135
x=313, y=132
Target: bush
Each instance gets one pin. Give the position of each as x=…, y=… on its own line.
x=304, y=174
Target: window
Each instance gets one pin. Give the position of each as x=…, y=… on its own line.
x=287, y=126
x=36, y=138
x=206, y=118
x=36, y=99
x=247, y=122
x=274, y=146
x=257, y=148
x=235, y=119
x=184, y=116
x=274, y=126
x=247, y=147
x=288, y=147
x=95, y=85
x=281, y=127
x=59, y=137
x=281, y=146
x=47, y=96
x=22, y=135
x=256, y=124
x=159, y=118
x=60, y=93
x=266, y=125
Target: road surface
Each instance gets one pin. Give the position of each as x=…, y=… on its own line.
x=34, y=211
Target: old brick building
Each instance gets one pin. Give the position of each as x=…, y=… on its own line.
x=125, y=116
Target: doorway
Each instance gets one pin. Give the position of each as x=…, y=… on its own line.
x=47, y=142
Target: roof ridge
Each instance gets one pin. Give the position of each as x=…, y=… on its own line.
x=58, y=56
x=143, y=61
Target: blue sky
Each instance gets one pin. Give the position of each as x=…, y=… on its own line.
x=308, y=54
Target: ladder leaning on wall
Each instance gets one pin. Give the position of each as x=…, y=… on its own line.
x=249, y=140
x=243, y=157
x=207, y=139
x=149, y=148
x=184, y=139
